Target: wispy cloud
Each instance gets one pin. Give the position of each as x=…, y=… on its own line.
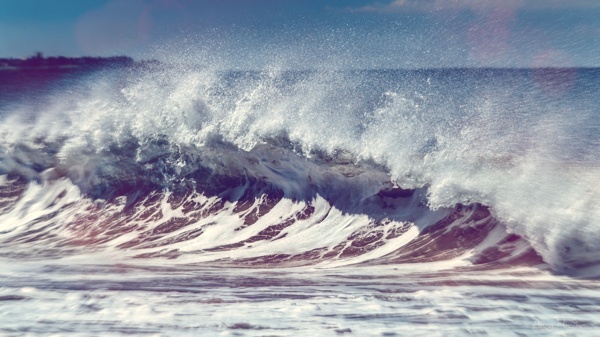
x=477, y=5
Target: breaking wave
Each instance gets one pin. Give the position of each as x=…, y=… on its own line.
x=477, y=167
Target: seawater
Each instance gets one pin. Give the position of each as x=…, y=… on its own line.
x=175, y=200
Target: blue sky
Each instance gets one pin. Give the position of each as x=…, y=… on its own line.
x=305, y=33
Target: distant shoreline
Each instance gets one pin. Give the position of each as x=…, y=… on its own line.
x=39, y=62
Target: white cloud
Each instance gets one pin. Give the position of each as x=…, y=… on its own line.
x=476, y=5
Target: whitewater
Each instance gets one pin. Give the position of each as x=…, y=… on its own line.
x=171, y=199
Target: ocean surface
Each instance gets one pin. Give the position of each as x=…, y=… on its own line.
x=171, y=200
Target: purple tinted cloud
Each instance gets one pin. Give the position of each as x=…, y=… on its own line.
x=476, y=5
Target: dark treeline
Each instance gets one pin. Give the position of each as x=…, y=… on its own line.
x=41, y=62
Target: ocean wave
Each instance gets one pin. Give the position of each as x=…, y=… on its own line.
x=292, y=168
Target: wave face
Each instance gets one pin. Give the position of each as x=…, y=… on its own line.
x=483, y=167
